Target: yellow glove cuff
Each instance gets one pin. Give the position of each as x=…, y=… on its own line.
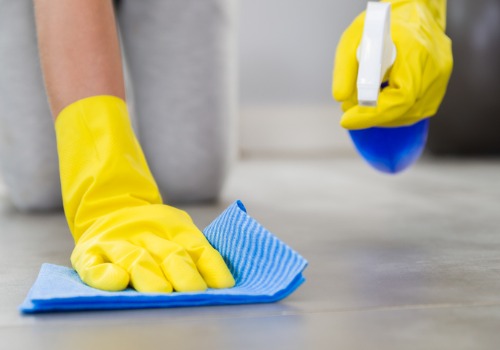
x=437, y=8
x=101, y=163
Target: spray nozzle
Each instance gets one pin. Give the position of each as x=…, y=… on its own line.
x=376, y=53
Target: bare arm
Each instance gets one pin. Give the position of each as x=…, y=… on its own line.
x=79, y=50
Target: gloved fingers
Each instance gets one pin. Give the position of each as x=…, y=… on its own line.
x=392, y=104
x=345, y=70
x=214, y=270
x=158, y=246
x=105, y=276
x=97, y=273
x=424, y=107
x=352, y=101
x=397, y=98
x=175, y=262
x=209, y=262
x=146, y=278
x=145, y=274
x=182, y=273
x=427, y=105
x=435, y=82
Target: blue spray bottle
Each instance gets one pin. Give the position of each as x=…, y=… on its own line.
x=387, y=149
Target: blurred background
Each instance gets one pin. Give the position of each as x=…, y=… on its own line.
x=286, y=52
x=406, y=261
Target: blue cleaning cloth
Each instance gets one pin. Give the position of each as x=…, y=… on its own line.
x=265, y=270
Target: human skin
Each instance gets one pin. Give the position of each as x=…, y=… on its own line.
x=79, y=50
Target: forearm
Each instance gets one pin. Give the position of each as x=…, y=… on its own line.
x=79, y=50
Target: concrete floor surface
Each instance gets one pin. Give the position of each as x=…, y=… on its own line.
x=405, y=262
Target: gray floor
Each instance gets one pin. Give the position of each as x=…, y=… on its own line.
x=407, y=262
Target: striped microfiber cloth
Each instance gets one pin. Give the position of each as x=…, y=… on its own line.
x=265, y=270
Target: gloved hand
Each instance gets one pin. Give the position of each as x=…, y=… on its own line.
x=418, y=78
x=124, y=234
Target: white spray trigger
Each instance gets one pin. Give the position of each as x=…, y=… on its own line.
x=376, y=53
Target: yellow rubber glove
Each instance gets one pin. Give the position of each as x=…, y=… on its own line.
x=124, y=234
x=419, y=77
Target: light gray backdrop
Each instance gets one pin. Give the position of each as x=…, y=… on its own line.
x=286, y=52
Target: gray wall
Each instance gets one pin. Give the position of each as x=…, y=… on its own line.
x=287, y=49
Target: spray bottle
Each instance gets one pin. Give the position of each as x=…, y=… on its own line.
x=387, y=149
